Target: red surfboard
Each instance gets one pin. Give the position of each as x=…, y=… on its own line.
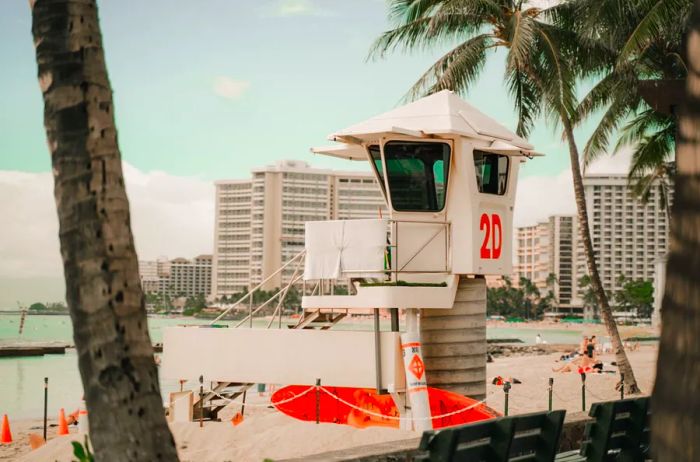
x=332, y=410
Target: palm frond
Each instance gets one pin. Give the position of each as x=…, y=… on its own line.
x=456, y=70
x=599, y=141
x=661, y=16
x=521, y=39
x=527, y=98
x=444, y=24
x=651, y=151
x=643, y=124
x=554, y=74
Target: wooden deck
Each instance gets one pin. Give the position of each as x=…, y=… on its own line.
x=14, y=351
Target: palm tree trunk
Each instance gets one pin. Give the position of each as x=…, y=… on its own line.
x=103, y=291
x=623, y=363
x=675, y=401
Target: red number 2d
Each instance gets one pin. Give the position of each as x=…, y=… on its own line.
x=493, y=236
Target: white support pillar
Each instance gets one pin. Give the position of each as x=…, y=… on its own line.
x=416, y=385
x=454, y=341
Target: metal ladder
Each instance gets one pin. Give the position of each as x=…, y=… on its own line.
x=320, y=319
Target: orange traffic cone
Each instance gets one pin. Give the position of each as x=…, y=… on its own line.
x=238, y=418
x=5, y=433
x=62, y=424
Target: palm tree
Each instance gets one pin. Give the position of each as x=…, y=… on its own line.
x=544, y=57
x=641, y=72
x=676, y=422
x=115, y=356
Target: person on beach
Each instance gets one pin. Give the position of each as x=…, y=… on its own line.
x=590, y=350
x=538, y=339
x=583, y=345
x=582, y=363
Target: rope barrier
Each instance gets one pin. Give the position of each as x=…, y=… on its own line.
x=277, y=403
x=311, y=388
x=365, y=411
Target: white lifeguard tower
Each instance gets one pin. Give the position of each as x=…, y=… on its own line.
x=448, y=173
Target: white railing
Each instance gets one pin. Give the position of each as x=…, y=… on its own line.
x=393, y=261
x=323, y=286
x=249, y=296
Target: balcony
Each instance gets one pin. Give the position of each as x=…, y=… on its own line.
x=391, y=263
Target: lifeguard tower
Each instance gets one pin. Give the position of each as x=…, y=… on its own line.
x=448, y=173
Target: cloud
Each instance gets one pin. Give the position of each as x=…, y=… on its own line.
x=229, y=88
x=539, y=197
x=618, y=163
x=297, y=8
x=171, y=216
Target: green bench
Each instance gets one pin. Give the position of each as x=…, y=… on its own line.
x=525, y=438
x=619, y=432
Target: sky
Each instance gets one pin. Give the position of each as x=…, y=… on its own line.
x=208, y=90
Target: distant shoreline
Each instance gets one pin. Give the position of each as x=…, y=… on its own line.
x=35, y=313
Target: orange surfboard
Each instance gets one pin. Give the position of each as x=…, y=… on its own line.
x=332, y=410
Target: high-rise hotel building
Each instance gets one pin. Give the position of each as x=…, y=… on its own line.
x=177, y=278
x=548, y=248
x=260, y=222
x=628, y=236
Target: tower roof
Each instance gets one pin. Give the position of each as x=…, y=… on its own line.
x=441, y=113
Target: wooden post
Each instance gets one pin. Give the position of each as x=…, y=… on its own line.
x=377, y=352
x=201, y=401
x=506, y=391
x=318, y=401
x=46, y=403
x=394, y=312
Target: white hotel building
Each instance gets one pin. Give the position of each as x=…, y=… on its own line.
x=628, y=235
x=260, y=221
x=547, y=248
x=629, y=238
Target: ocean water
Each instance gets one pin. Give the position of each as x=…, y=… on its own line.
x=22, y=379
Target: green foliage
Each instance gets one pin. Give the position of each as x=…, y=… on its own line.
x=524, y=302
x=540, y=65
x=341, y=289
x=642, y=51
x=37, y=307
x=194, y=305
x=83, y=453
x=404, y=284
x=292, y=300
x=635, y=295
x=159, y=301
x=587, y=294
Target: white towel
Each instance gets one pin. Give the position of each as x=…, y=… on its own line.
x=338, y=246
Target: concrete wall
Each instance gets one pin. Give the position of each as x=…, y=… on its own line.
x=454, y=341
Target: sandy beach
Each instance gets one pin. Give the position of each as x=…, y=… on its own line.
x=266, y=433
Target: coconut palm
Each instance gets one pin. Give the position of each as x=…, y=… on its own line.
x=107, y=309
x=675, y=401
x=544, y=57
x=641, y=72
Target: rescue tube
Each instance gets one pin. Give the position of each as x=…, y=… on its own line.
x=332, y=410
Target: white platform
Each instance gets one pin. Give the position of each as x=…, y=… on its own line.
x=287, y=356
x=388, y=297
